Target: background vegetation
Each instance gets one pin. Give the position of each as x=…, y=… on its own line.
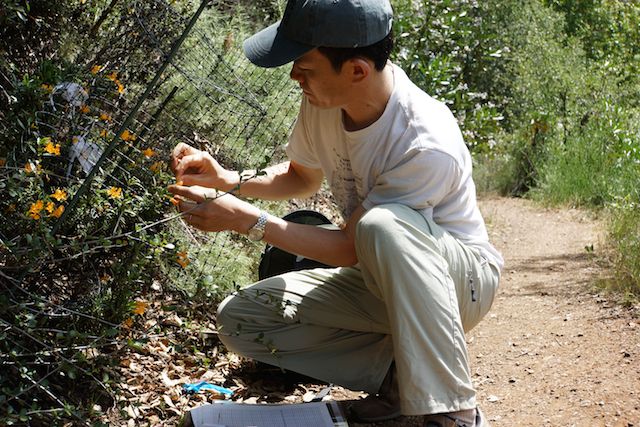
x=546, y=92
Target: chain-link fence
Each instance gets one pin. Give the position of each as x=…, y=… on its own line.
x=91, y=225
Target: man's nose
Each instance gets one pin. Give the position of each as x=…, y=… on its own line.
x=295, y=75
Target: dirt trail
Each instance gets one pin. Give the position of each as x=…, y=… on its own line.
x=552, y=352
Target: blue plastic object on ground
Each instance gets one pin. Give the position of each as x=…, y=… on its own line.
x=203, y=385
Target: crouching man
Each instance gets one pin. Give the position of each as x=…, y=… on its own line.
x=414, y=269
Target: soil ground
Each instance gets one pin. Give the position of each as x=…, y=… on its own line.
x=553, y=351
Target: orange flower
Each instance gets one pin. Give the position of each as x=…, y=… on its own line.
x=127, y=323
x=120, y=86
x=149, y=152
x=52, y=148
x=46, y=87
x=183, y=259
x=140, y=307
x=57, y=212
x=59, y=195
x=174, y=201
x=156, y=167
x=128, y=136
x=103, y=133
x=96, y=69
x=115, y=192
x=113, y=76
x=35, y=209
x=84, y=109
x=50, y=207
x=105, y=117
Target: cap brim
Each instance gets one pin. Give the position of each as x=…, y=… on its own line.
x=269, y=48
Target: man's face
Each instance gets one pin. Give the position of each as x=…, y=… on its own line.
x=321, y=84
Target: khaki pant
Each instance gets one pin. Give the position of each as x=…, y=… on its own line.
x=414, y=293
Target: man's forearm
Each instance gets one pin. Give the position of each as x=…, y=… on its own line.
x=278, y=182
x=332, y=247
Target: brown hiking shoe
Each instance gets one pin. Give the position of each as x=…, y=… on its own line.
x=385, y=405
x=468, y=418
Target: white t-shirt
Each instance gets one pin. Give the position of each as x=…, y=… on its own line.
x=414, y=155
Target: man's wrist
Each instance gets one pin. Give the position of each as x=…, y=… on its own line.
x=257, y=230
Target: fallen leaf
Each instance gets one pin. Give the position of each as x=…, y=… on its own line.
x=168, y=381
x=172, y=320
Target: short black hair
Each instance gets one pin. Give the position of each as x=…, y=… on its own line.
x=378, y=52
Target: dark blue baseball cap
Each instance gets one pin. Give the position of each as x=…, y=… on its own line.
x=307, y=24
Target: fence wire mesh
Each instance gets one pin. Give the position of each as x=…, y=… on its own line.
x=93, y=180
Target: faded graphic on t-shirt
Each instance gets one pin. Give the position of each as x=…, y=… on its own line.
x=343, y=186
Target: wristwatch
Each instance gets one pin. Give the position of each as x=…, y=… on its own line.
x=256, y=233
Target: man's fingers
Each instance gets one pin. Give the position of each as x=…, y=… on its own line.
x=189, y=161
x=188, y=180
x=195, y=193
x=187, y=207
x=182, y=150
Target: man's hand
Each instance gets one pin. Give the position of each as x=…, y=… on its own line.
x=211, y=210
x=195, y=167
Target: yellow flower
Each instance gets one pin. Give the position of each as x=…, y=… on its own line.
x=120, y=86
x=96, y=69
x=140, y=307
x=57, y=213
x=59, y=195
x=103, y=133
x=113, y=76
x=149, y=152
x=115, y=192
x=35, y=209
x=46, y=87
x=128, y=136
x=52, y=148
x=105, y=117
x=84, y=109
x=155, y=167
x=183, y=259
x=50, y=207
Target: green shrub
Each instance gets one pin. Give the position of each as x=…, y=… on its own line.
x=625, y=237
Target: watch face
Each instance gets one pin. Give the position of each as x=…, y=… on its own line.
x=255, y=234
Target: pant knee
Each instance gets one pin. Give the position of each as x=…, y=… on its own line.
x=227, y=319
x=377, y=221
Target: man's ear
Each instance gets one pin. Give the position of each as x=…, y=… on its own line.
x=359, y=69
